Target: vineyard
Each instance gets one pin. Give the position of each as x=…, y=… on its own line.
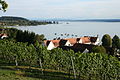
x=85, y=66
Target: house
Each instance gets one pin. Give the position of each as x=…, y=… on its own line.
x=64, y=42
x=72, y=41
x=68, y=42
x=51, y=44
x=2, y=36
x=95, y=40
x=88, y=40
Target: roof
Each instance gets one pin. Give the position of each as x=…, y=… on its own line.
x=72, y=40
x=62, y=42
x=55, y=42
x=87, y=39
x=3, y=35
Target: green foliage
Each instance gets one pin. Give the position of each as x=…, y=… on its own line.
x=4, y=5
x=11, y=32
x=22, y=36
x=30, y=37
x=116, y=42
x=106, y=41
x=39, y=38
x=98, y=49
x=96, y=66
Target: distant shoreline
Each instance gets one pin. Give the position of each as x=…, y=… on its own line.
x=82, y=20
x=20, y=21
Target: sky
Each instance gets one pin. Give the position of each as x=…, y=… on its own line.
x=63, y=9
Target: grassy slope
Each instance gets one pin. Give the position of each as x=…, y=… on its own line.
x=11, y=75
x=10, y=72
x=31, y=73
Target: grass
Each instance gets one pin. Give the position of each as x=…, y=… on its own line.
x=31, y=73
x=11, y=75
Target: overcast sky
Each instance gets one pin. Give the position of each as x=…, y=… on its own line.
x=79, y=9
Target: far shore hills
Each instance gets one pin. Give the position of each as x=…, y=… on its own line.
x=85, y=20
x=20, y=21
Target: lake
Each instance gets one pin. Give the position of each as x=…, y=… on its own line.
x=75, y=29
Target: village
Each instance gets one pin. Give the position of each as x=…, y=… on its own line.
x=82, y=44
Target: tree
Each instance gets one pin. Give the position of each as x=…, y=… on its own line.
x=116, y=42
x=98, y=49
x=106, y=41
x=39, y=38
x=4, y=5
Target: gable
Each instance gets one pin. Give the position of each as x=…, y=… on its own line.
x=50, y=46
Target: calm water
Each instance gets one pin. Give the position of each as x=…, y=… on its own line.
x=75, y=28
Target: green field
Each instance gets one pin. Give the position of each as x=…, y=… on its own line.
x=11, y=75
x=31, y=73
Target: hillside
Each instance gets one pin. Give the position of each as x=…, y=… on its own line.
x=10, y=18
x=10, y=75
x=19, y=21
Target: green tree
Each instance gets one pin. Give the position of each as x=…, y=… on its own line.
x=98, y=49
x=116, y=42
x=39, y=38
x=106, y=41
x=4, y=5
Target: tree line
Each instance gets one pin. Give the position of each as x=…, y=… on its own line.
x=22, y=36
x=109, y=45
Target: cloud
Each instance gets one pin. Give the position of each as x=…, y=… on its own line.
x=64, y=8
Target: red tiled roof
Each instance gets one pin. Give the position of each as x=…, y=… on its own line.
x=88, y=39
x=55, y=42
x=3, y=35
x=85, y=40
x=72, y=40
